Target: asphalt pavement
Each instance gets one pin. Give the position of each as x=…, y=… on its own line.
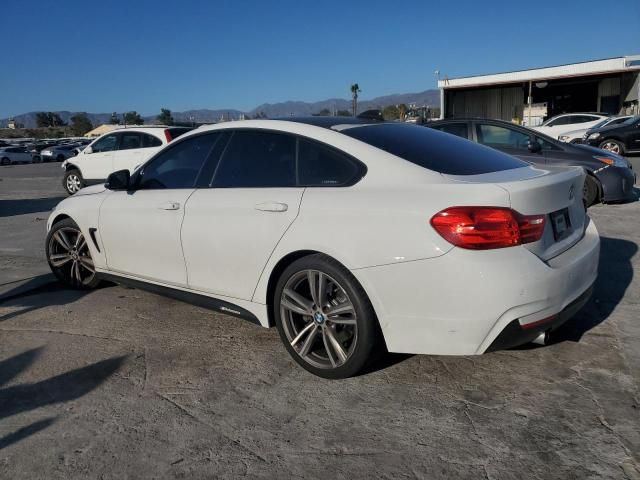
x=119, y=383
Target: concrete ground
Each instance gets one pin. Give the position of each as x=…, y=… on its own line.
x=119, y=383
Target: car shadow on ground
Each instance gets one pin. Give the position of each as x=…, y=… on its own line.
x=615, y=274
x=9, y=208
x=29, y=299
x=17, y=399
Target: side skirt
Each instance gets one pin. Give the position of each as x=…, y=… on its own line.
x=203, y=301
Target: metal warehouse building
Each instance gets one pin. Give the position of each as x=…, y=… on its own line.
x=529, y=96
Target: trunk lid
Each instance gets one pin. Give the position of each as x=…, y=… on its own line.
x=555, y=192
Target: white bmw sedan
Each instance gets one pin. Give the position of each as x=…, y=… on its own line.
x=348, y=235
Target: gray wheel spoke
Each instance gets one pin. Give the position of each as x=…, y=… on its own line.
x=342, y=321
x=303, y=332
x=75, y=270
x=335, y=344
x=59, y=259
x=342, y=308
x=313, y=287
x=80, y=242
x=304, y=351
x=62, y=239
x=327, y=349
x=87, y=263
x=304, y=305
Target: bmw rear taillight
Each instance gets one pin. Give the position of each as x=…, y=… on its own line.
x=484, y=228
x=167, y=135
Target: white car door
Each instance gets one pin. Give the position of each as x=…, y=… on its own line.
x=231, y=228
x=140, y=228
x=98, y=164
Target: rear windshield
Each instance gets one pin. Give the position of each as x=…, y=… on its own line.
x=434, y=150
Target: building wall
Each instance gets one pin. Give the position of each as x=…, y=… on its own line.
x=502, y=102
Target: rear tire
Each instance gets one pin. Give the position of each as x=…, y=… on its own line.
x=613, y=146
x=5, y=161
x=69, y=257
x=325, y=318
x=591, y=191
x=60, y=158
x=73, y=181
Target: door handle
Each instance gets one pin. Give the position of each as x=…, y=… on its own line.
x=272, y=207
x=170, y=206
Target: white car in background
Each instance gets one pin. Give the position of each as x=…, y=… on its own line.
x=14, y=154
x=346, y=234
x=124, y=148
x=567, y=122
x=575, y=136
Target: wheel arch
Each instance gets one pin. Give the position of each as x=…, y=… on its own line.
x=72, y=166
x=274, y=275
x=598, y=184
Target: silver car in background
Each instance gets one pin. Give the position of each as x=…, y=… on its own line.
x=59, y=153
x=13, y=154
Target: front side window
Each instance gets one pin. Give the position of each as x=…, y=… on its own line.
x=129, y=141
x=497, y=136
x=107, y=143
x=179, y=165
x=321, y=166
x=457, y=129
x=257, y=159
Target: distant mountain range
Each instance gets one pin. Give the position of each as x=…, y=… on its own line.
x=429, y=98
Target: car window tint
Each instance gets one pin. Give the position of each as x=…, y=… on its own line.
x=457, y=129
x=105, y=144
x=560, y=121
x=496, y=136
x=177, y=166
x=433, y=150
x=257, y=159
x=129, y=141
x=150, y=141
x=321, y=166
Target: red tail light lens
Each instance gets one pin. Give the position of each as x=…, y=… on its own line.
x=167, y=135
x=484, y=228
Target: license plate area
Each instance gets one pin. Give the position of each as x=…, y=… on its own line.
x=561, y=224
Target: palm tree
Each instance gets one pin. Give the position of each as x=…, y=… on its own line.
x=355, y=89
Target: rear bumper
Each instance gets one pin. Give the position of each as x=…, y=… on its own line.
x=515, y=334
x=461, y=302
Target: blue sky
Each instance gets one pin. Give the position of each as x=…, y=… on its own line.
x=142, y=55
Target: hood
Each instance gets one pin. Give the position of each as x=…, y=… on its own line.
x=606, y=128
x=92, y=190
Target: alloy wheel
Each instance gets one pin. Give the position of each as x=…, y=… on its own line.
x=73, y=183
x=611, y=147
x=69, y=254
x=319, y=319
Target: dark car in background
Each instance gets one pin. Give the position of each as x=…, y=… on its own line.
x=622, y=138
x=610, y=177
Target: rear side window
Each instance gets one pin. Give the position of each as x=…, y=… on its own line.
x=179, y=165
x=150, y=141
x=129, y=141
x=257, y=159
x=458, y=129
x=434, y=150
x=320, y=166
x=497, y=136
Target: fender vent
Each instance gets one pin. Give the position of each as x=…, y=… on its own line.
x=92, y=234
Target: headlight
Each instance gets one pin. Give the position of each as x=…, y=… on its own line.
x=613, y=160
x=564, y=138
x=593, y=136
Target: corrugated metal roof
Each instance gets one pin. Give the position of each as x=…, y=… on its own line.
x=594, y=67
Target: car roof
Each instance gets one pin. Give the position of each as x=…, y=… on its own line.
x=326, y=122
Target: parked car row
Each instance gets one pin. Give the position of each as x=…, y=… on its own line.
x=40, y=151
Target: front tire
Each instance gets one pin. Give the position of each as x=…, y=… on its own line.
x=325, y=318
x=73, y=181
x=591, y=191
x=613, y=146
x=69, y=256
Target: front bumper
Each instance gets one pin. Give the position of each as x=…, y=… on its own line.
x=460, y=302
x=617, y=183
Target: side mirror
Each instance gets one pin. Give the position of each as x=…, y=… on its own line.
x=88, y=150
x=119, y=180
x=534, y=147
